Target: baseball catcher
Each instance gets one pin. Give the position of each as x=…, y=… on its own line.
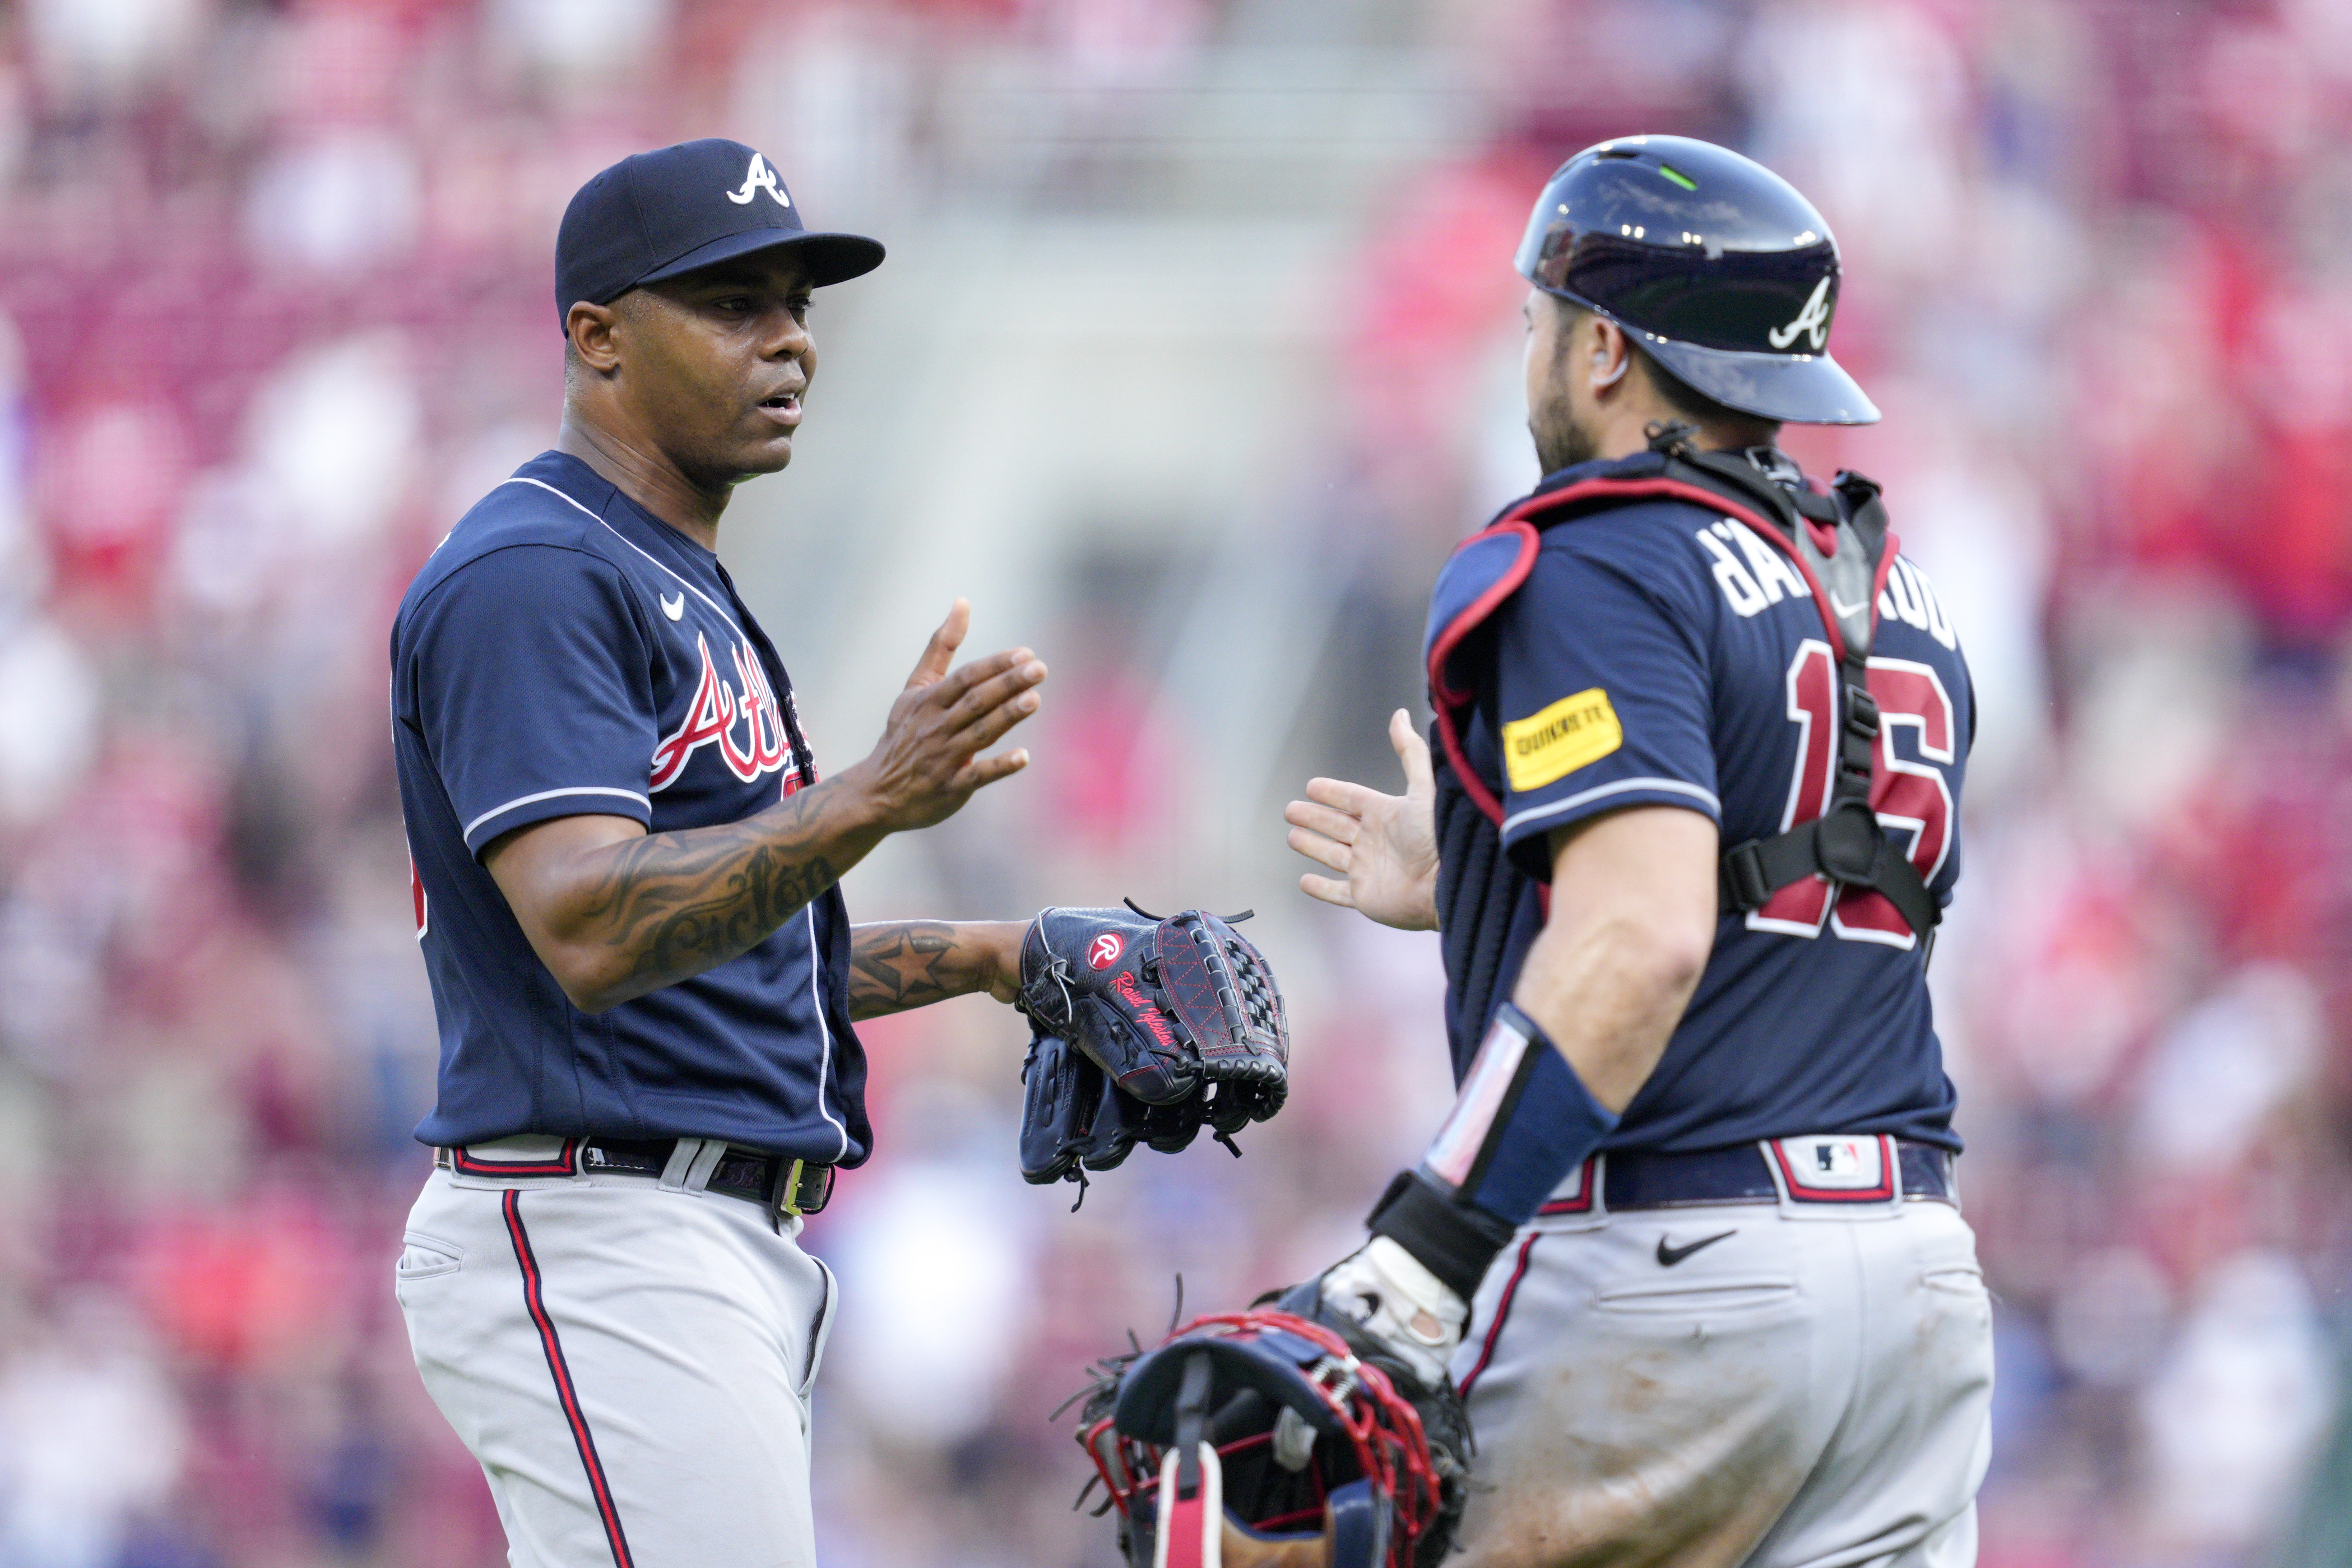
x=1689, y=1243
x=1144, y=1030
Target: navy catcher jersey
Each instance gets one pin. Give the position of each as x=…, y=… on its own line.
x=563, y=652
x=1661, y=653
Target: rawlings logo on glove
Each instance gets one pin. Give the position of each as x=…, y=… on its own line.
x=1145, y=1031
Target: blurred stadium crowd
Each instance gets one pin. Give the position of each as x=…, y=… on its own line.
x=1197, y=350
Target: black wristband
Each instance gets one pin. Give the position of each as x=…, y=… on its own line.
x=1454, y=1241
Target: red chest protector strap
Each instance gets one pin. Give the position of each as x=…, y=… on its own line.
x=1843, y=549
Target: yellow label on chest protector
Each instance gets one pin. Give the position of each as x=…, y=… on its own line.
x=1564, y=737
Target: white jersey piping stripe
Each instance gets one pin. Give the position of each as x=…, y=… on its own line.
x=825, y=1060
x=523, y=800
x=633, y=544
x=1622, y=786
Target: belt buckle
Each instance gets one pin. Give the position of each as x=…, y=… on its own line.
x=804, y=1187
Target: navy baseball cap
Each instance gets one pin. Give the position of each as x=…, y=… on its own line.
x=659, y=215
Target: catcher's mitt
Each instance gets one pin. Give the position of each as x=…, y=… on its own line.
x=1144, y=1031
x=1264, y=1439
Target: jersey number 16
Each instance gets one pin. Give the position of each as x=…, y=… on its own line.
x=1909, y=797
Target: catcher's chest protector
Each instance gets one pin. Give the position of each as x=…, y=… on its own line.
x=1839, y=543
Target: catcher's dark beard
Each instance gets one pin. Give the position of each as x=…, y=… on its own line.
x=1562, y=440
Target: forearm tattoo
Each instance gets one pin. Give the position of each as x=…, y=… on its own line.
x=685, y=902
x=907, y=963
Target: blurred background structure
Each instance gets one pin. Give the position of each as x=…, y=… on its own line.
x=1196, y=351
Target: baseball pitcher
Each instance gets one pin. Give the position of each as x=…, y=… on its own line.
x=624, y=884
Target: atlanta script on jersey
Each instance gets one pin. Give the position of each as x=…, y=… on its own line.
x=712, y=715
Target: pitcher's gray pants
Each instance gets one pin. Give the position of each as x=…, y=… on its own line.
x=630, y=1362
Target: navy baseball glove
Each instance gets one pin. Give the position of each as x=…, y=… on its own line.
x=1144, y=1031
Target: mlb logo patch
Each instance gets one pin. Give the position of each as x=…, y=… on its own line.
x=1846, y=1167
x=1837, y=1157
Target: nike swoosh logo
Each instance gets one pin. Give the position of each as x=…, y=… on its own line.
x=673, y=609
x=1840, y=608
x=1670, y=1256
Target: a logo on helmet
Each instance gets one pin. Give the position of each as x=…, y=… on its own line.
x=757, y=178
x=1106, y=950
x=1813, y=319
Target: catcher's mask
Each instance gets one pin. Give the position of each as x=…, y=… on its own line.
x=1257, y=1439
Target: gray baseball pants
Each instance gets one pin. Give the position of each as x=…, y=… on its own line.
x=1812, y=1390
x=630, y=1361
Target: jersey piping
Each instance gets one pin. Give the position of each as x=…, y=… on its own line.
x=523, y=800
x=824, y=1057
x=1671, y=786
x=633, y=544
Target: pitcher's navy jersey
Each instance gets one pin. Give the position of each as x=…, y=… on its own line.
x=565, y=652
x=1660, y=653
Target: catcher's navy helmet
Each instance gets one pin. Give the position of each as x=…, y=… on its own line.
x=1721, y=270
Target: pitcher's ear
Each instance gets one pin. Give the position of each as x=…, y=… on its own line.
x=589, y=330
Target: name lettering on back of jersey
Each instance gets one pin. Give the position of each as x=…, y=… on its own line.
x=711, y=718
x=1552, y=744
x=1909, y=598
x=1756, y=578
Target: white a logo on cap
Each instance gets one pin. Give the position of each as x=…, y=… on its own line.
x=1814, y=318
x=760, y=177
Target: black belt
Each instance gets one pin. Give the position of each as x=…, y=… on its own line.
x=1638, y=1180
x=777, y=1183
